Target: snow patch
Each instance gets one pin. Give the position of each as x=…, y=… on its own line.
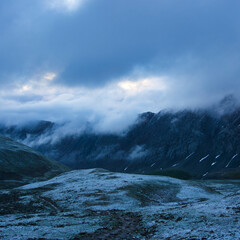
x=203, y=158
x=205, y=174
x=231, y=160
x=189, y=155
x=234, y=156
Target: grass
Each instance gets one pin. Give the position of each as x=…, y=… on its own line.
x=151, y=193
x=173, y=173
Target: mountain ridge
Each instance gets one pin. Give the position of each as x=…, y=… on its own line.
x=20, y=164
x=203, y=143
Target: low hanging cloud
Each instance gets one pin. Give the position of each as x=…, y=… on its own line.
x=137, y=152
x=107, y=109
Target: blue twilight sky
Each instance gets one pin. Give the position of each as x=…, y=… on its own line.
x=104, y=61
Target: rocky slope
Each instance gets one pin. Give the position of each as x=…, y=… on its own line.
x=20, y=164
x=201, y=143
x=97, y=204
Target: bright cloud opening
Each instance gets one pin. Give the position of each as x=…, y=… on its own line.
x=25, y=88
x=50, y=76
x=69, y=5
x=143, y=85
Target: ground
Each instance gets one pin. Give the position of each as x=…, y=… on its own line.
x=97, y=204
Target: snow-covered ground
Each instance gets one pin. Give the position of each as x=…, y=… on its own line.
x=97, y=204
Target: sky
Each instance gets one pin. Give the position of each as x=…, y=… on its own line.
x=105, y=61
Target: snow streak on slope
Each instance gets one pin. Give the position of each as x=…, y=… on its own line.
x=189, y=155
x=232, y=159
x=203, y=158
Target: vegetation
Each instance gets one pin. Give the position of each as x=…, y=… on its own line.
x=175, y=173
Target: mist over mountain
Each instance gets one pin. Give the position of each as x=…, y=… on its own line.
x=204, y=143
x=20, y=164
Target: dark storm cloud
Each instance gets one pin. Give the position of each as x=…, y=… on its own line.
x=104, y=40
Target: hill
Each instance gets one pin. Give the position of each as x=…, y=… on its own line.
x=20, y=164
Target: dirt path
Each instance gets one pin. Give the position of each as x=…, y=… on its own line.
x=118, y=225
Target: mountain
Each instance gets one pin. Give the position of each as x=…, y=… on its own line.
x=20, y=164
x=197, y=143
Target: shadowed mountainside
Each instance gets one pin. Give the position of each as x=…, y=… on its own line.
x=200, y=143
x=20, y=164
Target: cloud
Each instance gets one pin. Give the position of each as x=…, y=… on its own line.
x=110, y=108
x=107, y=40
x=137, y=152
x=143, y=85
x=106, y=61
x=107, y=109
x=65, y=5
